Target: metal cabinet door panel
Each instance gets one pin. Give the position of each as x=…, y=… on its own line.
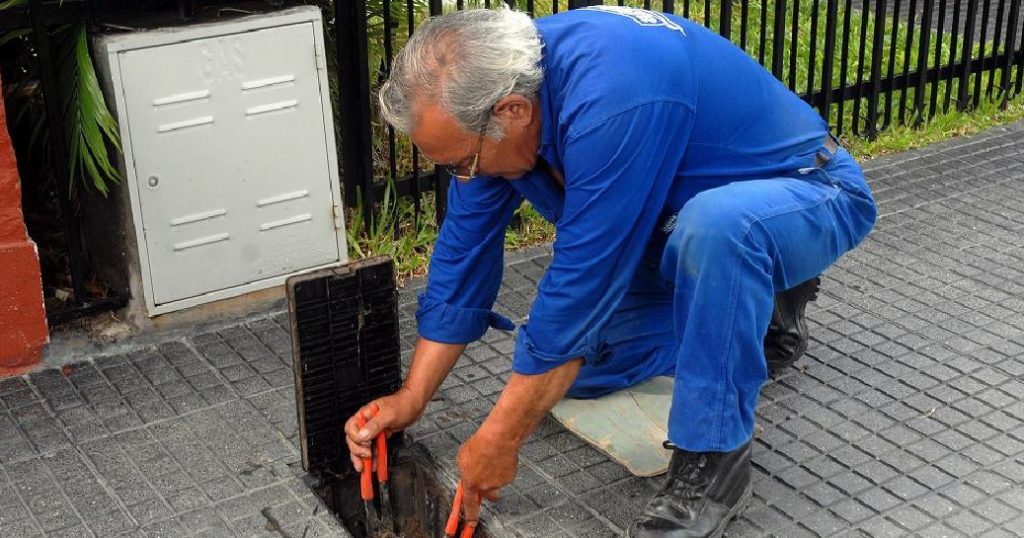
x=222, y=142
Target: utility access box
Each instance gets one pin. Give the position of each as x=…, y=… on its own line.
x=229, y=154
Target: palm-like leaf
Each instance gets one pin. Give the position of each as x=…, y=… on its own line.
x=89, y=125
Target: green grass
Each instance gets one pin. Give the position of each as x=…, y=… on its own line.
x=939, y=128
x=411, y=247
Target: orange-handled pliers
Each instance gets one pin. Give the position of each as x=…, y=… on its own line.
x=452, y=528
x=366, y=480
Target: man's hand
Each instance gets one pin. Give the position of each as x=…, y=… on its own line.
x=489, y=460
x=397, y=412
x=486, y=464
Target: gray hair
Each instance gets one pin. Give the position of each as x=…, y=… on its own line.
x=465, y=62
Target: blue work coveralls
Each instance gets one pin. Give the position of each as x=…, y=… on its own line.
x=691, y=196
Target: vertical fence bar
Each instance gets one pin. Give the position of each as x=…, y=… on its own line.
x=952, y=55
x=441, y=178
x=668, y=6
x=530, y=7
x=861, y=53
x=939, y=28
x=794, y=37
x=410, y=10
x=985, y=8
x=744, y=18
x=707, y=13
x=812, y=60
x=725, y=20
x=1011, y=49
x=877, y=43
x=52, y=102
x=1019, y=85
x=778, y=37
x=1000, y=13
x=891, y=68
x=965, y=75
x=92, y=15
x=186, y=9
x=686, y=8
x=844, y=64
x=828, y=57
x=922, y=61
x=392, y=145
x=354, y=104
x=911, y=20
x=764, y=33
x=647, y=4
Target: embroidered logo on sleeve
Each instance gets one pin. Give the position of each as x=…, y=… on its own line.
x=642, y=17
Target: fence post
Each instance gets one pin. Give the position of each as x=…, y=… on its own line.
x=725, y=20
x=876, y=67
x=52, y=97
x=1011, y=49
x=922, y=62
x=828, y=58
x=965, y=75
x=441, y=178
x=778, y=38
x=354, y=105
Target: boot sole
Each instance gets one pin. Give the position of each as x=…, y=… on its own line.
x=735, y=511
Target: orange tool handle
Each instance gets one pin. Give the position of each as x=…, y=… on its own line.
x=366, y=477
x=452, y=528
x=382, y=458
x=467, y=532
x=382, y=450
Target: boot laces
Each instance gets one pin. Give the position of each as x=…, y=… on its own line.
x=687, y=478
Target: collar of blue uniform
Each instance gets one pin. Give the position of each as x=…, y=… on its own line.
x=547, y=133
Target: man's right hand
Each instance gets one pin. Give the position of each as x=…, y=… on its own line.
x=397, y=412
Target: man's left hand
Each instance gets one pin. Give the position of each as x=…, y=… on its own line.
x=486, y=464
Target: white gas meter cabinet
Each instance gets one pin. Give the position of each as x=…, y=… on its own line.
x=229, y=154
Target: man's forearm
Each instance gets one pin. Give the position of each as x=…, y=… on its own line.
x=525, y=401
x=431, y=363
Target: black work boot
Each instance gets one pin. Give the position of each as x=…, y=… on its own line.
x=702, y=493
x=786, y=340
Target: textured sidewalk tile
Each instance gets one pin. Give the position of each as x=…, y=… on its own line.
x=905, y=417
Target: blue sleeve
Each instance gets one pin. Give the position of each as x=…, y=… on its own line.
x=467, y=263
x=617, y=173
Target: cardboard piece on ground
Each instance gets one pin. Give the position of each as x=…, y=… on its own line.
x=629, y=426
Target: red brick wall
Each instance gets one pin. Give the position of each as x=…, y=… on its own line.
x=23, y=330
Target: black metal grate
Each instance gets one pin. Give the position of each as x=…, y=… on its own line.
x=346, y=352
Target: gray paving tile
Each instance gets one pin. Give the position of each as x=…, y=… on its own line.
x=904, y=418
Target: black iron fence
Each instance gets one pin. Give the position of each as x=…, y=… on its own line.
x=864, y=64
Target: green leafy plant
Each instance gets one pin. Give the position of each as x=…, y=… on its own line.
x=88, y=122
x=396, y=231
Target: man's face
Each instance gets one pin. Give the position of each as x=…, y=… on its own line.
x=440, y=138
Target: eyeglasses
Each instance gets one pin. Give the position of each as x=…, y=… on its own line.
x=460, y=171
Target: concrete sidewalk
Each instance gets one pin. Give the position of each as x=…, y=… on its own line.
x=905, y=418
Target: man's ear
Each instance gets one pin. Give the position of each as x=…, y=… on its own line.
x=514, y=109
